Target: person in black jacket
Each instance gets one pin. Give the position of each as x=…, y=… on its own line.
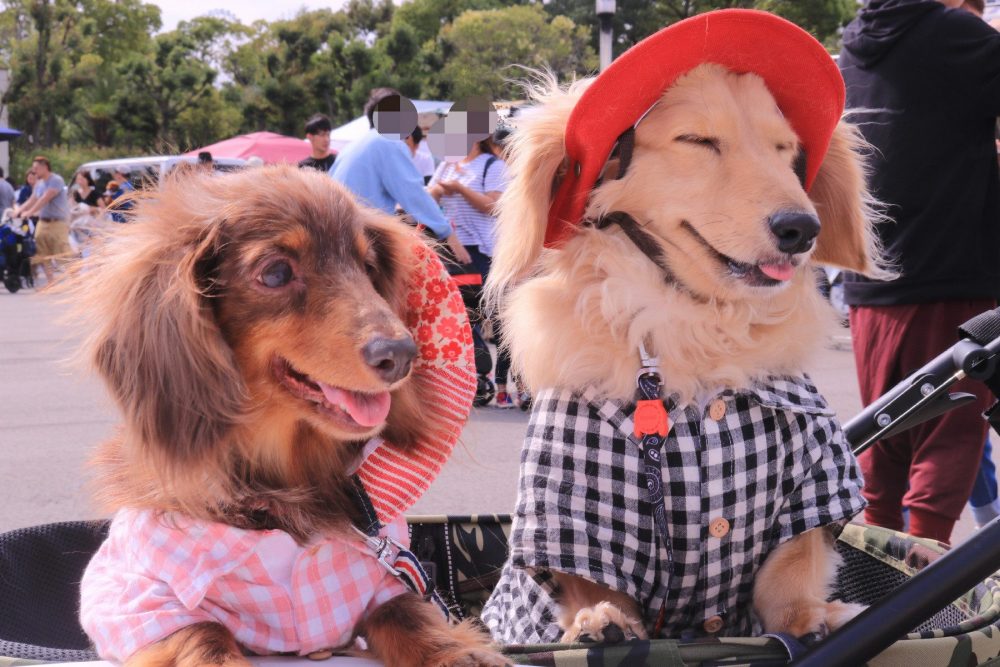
x=923, y=79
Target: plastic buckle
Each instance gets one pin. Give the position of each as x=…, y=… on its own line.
x=650, y=418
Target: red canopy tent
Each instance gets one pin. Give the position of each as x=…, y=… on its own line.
x=268, y=146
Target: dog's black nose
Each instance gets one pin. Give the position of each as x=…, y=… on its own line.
x=390, y=357
x=795, y=231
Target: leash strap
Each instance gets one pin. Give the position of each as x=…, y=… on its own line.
x=402, y=564
x=626, y=144
x=652, y=423
x=647, y=245
x=393, y=556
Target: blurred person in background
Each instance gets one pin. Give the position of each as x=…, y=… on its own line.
x=24, y=192
x=420, y=154
x=379, y=171
x=7, y=194
x=85, y=191
x=321, y=157
x=122, y=186
x=50, y=203
x=983, y=501
x=924, y=77
x=112, y=191
x=468, y=190
x=206, y=161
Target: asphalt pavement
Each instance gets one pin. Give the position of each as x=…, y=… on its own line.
x=53, y=414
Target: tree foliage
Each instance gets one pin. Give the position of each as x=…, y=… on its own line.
x=486, y=45
x=102, y=73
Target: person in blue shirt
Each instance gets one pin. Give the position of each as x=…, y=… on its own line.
x=121, y=177
x=379, y=171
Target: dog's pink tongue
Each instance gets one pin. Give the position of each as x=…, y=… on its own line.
x=781, y=271
x=366, y=409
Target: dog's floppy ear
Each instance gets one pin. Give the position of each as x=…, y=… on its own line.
x=536, y=157
x=845, y=207
x=153, y=334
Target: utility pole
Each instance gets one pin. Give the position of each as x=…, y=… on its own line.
x=605, y=12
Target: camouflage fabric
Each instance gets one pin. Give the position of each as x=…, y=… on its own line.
x=973, y=640
x=463, y=555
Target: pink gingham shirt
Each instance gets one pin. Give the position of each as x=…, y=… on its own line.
x=157, y=574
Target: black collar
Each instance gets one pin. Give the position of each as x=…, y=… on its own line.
x=647, y=245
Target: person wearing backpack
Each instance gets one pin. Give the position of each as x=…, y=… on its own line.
x=467, y=191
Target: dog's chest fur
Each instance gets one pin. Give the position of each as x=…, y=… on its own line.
x=581, y=321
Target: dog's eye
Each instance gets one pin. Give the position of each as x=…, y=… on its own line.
x=784, y=147
x=277, y=274
x=711, y=143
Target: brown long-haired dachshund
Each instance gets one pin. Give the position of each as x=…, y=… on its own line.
x=254, y=329
x=691, y=260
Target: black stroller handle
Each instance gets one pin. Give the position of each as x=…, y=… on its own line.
x=918, y=398
x=921, y=396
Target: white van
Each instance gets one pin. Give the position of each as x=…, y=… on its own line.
x=146, y=171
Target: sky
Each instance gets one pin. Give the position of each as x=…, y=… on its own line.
x=247, y=11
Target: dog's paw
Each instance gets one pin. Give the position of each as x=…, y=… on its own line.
x=603, y=623
x=838, y=613
x=471, y=657
x=819, y=620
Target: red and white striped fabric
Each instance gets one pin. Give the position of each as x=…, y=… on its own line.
x=445, y=374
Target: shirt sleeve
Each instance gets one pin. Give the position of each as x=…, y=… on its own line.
x=831, y=488
x=125, y=606
x=405, y=184
x=575, y=488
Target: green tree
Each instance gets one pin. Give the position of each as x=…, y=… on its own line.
x=158, y=87
x=634, y=20
x=109, y=29
x=428, y=17
x=822, y=18
x=61, y=56
x=289, y=70
x=211, y=119
x=485, y=45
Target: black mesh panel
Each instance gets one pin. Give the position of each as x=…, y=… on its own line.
x=40, y=572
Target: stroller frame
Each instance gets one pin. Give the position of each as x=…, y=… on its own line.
x=921, y=396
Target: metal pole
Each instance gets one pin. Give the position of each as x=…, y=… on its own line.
x=605, y=12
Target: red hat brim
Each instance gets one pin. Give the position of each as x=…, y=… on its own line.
x=797, y=70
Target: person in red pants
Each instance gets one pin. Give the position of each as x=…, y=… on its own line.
x=932, y=467
x=923, y=79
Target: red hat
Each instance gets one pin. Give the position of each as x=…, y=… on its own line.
x=799, y=73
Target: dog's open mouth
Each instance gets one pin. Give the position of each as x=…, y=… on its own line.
x=354, y=410
x=761, y=274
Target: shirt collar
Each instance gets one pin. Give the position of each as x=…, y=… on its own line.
x=790, y=393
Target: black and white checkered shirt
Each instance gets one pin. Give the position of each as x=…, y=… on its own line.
x=770, y=460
